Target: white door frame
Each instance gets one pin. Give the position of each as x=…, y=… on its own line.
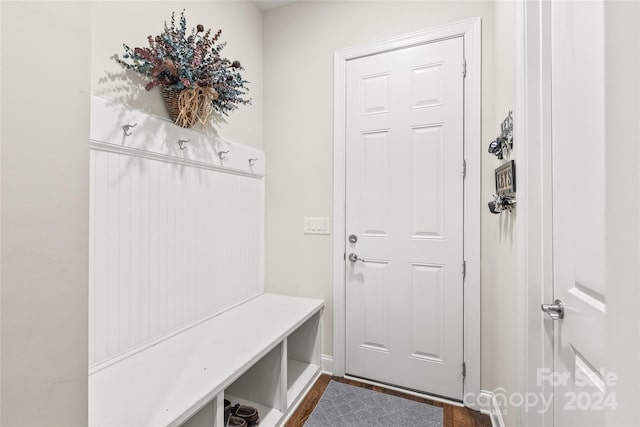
x=471, y=31
x=534, y=231
x=532, y=128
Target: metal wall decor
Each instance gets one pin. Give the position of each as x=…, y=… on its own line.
x=506, y=178
x=501, y=203
x=503, y=144
x=505, y=175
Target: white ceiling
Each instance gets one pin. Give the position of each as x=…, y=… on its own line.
x=271, y=4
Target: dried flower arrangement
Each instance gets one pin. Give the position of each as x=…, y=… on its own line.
x=195, y=79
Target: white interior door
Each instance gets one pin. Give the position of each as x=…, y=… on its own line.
x=578, y=133
x=404, y=205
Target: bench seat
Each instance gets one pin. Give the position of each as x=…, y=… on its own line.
x=169, y=382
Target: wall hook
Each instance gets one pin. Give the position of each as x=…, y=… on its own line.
x=222, y=154
x=182, y=143
x=252, y=162
x=126, y=128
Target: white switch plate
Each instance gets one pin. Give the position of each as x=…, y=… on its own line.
x=316, y=225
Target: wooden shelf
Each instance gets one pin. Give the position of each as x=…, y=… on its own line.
x=154, y=137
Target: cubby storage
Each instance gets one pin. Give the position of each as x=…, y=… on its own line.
x=261, y=387
x=303, y=357
x=205, y=417
x=263, y=353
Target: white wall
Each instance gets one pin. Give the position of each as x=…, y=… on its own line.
x=53, y=55
x=499, y=299
x=0, y=224
x=241, y=24
x=117, y=22
x=44, y=213
x=622, y=248
x=299, y=40
x=45, y=165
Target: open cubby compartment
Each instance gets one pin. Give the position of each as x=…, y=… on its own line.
x=303, y=357
x=261, y=387
x=207, y=415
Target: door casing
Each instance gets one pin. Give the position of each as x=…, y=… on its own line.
x=535, y=263
x=534, y=228
x=470, y=30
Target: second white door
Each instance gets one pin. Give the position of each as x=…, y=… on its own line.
x=582, y=391
x=404, y=217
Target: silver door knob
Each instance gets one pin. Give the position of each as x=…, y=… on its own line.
x=354, y=258
x=555, y=311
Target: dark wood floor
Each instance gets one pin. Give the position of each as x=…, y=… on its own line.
x=454, y=416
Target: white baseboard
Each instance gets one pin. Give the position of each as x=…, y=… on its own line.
x=327, y=364
x=490, y=407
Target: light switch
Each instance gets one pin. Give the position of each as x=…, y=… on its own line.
x=316, y=225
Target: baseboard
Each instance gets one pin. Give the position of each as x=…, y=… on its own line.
x=489, y=406
x=327, y=364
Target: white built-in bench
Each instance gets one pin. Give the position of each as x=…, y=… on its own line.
x=264, y=353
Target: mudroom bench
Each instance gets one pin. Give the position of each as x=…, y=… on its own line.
x=264, y=353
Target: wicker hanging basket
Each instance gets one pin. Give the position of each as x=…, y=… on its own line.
x=189, y=106
x=171, y=100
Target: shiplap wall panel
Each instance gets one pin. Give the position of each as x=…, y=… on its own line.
x=171, y=244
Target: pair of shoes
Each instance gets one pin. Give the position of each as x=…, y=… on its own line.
x=227, y=411
x=235, y=422
x=247, y=414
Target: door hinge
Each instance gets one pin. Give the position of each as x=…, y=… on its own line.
x=464, y=68
x=464, y=269
x=464, y=370
x=344, y=256
x=464, y=169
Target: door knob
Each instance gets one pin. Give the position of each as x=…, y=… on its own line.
x=354, y=258
x=555, y=311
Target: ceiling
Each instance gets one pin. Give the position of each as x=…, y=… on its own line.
x=271, y=4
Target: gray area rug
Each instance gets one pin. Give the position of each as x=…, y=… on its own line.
x=347, y=405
